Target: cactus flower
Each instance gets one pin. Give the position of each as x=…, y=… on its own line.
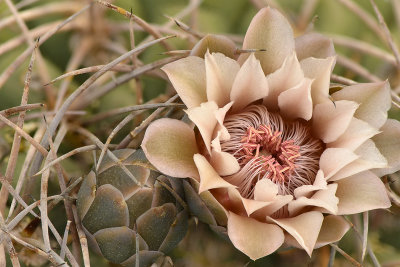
x=282, y=156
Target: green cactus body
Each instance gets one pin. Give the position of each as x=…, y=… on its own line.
x=117, y=214
x=126, y=222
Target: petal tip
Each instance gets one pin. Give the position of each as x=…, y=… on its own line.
x=170, y=145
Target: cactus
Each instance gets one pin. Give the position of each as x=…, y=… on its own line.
x=123, y=220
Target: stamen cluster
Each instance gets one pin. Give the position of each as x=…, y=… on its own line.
x=278, y=156
x=268, y=147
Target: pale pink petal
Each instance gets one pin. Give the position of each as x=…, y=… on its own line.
x=250, y=84
x=324, y=199
x=388, y=143
x=220, y=73
x=361, y=192
x=265, y=190
x=205, y=120
x=220, y=115
x=369, y=152
x=275, y=205
x=291, y=242
x=209, y=178
x=170, y=145
x=258, y=209
x=314, y=45
x=224, y=163
x=254, y=238
x=332, y=230
x=188, y=76
x=296, y=103
x=265, y=194
x=374, y=100
x=271, y=31
x=334, y=159
x=287, y=76
x=307, y=190
x=304, y=228
x=214, y=43
x=216, y=142
x=331, y=120
x=369, y=158
x=235, y=201
x=357, y=133
x=320, y=70
x=251, y=205
x=355, y=167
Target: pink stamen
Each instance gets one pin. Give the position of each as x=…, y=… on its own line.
x=267, y=147
x=263, y=139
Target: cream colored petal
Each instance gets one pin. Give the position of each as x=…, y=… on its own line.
x=235, y=201
x=332, y=230
x=331, y=120
x=369, y=152
x=250, y=84
x=188, y=76
x=334, y=159
x=265, y=190
x=220, y=74
x=224, y=163
x=307, y=190
x=388, y=143
x=374, y=100
x=221, y=196
x=369, y=158
x=220, y=115
x=271, y=31
x=275, y=205
x=205, y=120
x=320, y=70
x=216, y=143
x=170, y=145
x=251, y=205
x=324, y=199
x=265, y=194
x=258, y=209
x=357, y=133
x=209, y=178
x=287, y=76
x=291, y=242
x=355, y=167
x=361, y=192
x=296, y=103
x=304, y=228
x=314, y=45
x=214, y=43
x=254, y=238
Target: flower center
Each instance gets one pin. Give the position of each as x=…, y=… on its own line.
x=277, y=157
x=267, y=147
